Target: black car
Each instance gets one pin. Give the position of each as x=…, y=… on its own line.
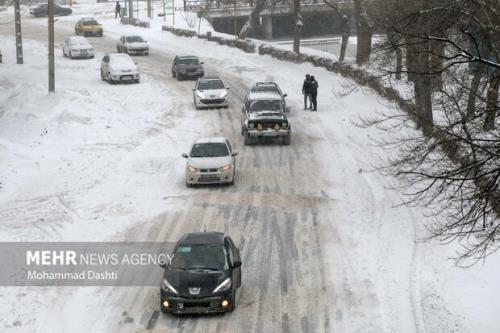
x=263, y=116
x=43, y=10
x=187, y=67
x=203, y=275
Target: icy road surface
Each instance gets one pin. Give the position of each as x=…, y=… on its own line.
x=323, y=248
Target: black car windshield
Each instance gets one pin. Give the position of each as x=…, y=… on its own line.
x=210, y=84
x=265, y=105
x=212, y=149
x=265, y=88
x=134, y=39
x=200, y=256
x=188, y=61
x=90, y=22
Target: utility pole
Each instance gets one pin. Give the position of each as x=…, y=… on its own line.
x=19, y=39
x=51, y=47
x=149, y=8
x=173, y=13
x=130, y=10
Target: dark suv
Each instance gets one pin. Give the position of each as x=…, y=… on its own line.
x=263, y=116
x=203, y=275
x=43, y=10
x=187, y=67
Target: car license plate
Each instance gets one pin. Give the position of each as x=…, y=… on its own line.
x=268, y=133
x=127, y=77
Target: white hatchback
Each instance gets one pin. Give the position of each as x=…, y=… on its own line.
x=210, y=161
x=210, y=92
x=118, y=67
x=77, y=47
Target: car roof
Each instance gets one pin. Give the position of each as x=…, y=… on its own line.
x=270, y=83
x=187, y=57
x=210, y=77
x=253, y=95
x=202, y=238
x=212, y=139
x=78, y=38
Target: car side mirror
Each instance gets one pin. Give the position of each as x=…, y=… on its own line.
x=227, y=88
x=201, y=62
x=284, y=95
x=236, y=263
x=194, y=89
x=184, y=155
x=235, y=153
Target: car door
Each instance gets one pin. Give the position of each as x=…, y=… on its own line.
x=105, y=64
x=233, y=159
x=174, y=65
x=66, y=46
x=234, y=255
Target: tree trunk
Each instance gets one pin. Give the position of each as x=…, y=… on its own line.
x=492, y=106
x=399, y=62
x=364, y=32
x=411, y=58
x=437, y=56
x=298, y=26
x=474, y=87
x=253, y=19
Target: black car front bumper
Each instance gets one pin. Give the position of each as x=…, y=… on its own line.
x=185, y=305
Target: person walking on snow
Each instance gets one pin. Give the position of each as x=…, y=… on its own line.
x=118, y=10
x=306, y=91
x=314, y=93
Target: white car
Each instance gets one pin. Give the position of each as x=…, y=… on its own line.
x=210, y=91
x=118, y=67
x=210, y=161
x=132, y=45
x=77, y=47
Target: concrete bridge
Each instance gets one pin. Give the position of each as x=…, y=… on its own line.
x=277, y=19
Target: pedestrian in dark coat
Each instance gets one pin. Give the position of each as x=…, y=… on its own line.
x=118, y=10
x=306, y=91
x=314, y=93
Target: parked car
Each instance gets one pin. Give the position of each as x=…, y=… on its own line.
x=203, y=275
x=210, y=161
x=88, y=26
x=119, y=67
x=77, y=47
x=263, y=116
x=210, y=91
x=187, y=67
x=132, y=45
x=271, y=88
x=43, y=10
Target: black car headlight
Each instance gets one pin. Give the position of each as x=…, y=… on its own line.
x=166, y=286
x=225, y=285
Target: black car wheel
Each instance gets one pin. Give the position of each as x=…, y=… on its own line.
x=179, y=77
x=102, y=76
x=287, y=139
x=248, y=139
x=233, y=301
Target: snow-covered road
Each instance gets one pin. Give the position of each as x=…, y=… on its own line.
x=324, y=249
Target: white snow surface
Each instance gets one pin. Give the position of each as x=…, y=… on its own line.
x=94, y=160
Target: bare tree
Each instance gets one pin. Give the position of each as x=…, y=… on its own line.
x=253, y=19
x=346, y=30
x=364, y=29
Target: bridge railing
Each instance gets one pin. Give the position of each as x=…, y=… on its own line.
x=207, y=5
